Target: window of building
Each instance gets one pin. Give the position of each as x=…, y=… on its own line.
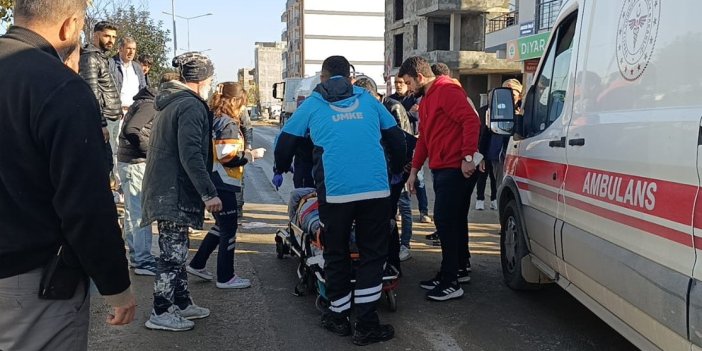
x=442, y=36
x=552, y=83
x=399, y=10
x=415, y=37
x=399, y=50
x=546, y=13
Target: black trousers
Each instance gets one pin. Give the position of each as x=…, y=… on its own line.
x=372, y=228
x=302, y=178
x=451, y=204
x=482, y=182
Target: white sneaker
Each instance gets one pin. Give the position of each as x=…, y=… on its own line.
x=425, y=219
x=480, y=205
x=493, y=204
x=201, y=273
x=171, y=321
x=405, y=253
x=235, y=283
x=193, y=311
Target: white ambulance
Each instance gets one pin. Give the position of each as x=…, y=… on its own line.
x=601, y=188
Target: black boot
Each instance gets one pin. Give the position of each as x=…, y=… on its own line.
x=338, y=325
x=368, y=334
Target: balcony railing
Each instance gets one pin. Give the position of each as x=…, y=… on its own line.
x=503, y=21
x=547, y=13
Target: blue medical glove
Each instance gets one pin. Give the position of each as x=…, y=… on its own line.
x=277, y=180
x=396, y=178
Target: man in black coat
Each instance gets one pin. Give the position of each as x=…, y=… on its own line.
x=54, y=193
x=177, y=186
x=95, y=69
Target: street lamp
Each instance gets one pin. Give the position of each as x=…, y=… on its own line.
x=187, y=19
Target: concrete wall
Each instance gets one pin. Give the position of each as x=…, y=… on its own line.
x=269, y=70
x=472, y=32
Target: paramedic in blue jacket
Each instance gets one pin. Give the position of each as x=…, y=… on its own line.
x=346, y=125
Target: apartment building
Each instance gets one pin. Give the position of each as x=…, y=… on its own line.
x=268, y=71
x=448, y=31
x=245, y=77
x=521, y=35
x=317, y=29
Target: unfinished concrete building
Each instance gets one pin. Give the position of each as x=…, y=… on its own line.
x=448, y=31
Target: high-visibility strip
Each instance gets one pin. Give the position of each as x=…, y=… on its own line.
x=368, y=291
x=342, y=301
x=340, y=308
x=367, y=298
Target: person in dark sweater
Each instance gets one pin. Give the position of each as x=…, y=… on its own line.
x=131, y=164
x=397, y=181
x=54, y=192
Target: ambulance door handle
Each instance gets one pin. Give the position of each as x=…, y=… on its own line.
x=576, y=142
x=557, y=143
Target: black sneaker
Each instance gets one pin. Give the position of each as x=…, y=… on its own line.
x=463, y=276
x=431, y=283
x=366, y=335
x=337, y=325
x=432, y=236
x=468, y=267
x=445, y=291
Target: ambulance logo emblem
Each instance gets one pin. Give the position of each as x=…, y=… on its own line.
x=636, y=36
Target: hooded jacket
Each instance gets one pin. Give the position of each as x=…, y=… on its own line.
x=346, y=125
x=95, y=69
x=134, y=137
x=177, y=176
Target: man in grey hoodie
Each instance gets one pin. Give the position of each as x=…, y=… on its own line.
x=177, y=187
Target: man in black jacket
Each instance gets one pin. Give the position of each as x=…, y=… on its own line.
x=95, y=69
x=177, y=187
x=131, y=164
x=53, y=192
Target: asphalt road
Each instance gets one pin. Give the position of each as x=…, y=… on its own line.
x=267, y=316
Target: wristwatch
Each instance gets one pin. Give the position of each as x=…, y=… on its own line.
x=469, y=158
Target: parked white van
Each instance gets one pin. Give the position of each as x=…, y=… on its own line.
x=601, y=191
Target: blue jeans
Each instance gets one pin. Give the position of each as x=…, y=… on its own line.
x=404, y=204
x=422, y=199
x=138, y=238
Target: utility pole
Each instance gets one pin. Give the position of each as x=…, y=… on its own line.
x=175, y=37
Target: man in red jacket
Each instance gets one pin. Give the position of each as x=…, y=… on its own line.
x=448, y=136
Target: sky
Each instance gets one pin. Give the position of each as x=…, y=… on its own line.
x=230, y=33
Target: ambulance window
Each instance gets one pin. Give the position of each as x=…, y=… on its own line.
x=551, y=86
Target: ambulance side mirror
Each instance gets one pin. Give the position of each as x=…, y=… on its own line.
x=279, y=91
x=501, y=118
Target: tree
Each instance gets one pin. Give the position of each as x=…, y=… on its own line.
x=6, y=12
x=252, y=95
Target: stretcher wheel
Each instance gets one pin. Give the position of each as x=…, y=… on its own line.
x=279, y=248
x=392, y=300
x=322, y=304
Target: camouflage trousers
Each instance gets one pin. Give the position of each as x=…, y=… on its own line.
x=171, y=281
